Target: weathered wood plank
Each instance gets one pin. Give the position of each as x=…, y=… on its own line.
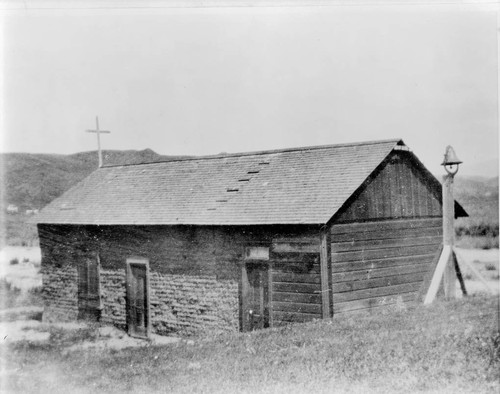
x=297, y=268
x=383, y=253
x=304, y=239
x=377, y=282
x=290, y=247
x=284, y=287
x=388, y=234
x=243, y=290
x=378, y=202
x=297, y=297
x=279, y=276
x=294, y=257
x=370, y=273
x=294, y=317
x=297, y=307
x=383, y=243
x=325, y=271
x=372, y=303
x=386, y=186
x=375, y=292
x=414, y=193
x=338, y=267
x=396, y=192
x=421, y=198
x=349, y=228
x=405, y=183
x=270, y=292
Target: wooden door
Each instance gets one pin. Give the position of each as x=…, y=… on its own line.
x=138, y=298
x=89, y=299
x=256, y=297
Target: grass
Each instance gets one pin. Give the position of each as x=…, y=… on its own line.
x=474, y=235
x=446, y=347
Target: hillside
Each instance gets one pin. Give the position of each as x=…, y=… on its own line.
x=479, y=197
x=31, y=181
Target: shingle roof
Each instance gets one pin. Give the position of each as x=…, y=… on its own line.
x=289, y=186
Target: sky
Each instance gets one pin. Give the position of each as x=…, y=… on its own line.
x=198, y=81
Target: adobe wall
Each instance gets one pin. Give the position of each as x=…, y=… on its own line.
x=194, y=272
x=179, y=304
x=60, y=293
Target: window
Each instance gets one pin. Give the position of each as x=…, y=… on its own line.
x=257, y=253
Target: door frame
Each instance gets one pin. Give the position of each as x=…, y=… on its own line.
x=244, y=288
x=144, y=264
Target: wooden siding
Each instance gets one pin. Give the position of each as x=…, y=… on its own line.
x=296, y=279
x=375, y=264
x=397, y=190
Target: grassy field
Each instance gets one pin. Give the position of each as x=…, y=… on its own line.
x=445, y=347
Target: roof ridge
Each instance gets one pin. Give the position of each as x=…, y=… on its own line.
x=397, y=141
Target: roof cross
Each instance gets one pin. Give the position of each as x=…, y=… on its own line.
x=98, y=132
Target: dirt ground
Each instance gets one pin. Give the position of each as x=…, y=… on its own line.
x=104, y=337
x=486, y=263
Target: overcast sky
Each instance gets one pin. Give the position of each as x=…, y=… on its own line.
x=201, y=81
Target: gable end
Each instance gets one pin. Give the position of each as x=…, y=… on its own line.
x=400, y=187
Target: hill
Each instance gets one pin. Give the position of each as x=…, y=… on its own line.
x=479, y=197
x=31, y=181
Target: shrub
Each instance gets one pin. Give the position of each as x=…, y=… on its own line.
x=490, y=267
x=14, y=261
x=477, y=229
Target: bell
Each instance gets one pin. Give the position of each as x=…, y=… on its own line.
x=450, y=157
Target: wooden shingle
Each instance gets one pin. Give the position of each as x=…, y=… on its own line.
x=289, y=186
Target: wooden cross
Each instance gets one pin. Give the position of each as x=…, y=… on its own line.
x=98, y=132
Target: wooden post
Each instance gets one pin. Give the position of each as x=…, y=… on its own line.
x=243, y=289
x=443, y=262
x=270, y=293
x=325, y=269
x=449, y=235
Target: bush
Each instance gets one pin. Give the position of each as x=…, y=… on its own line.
x=477, y=230
x=14, y=261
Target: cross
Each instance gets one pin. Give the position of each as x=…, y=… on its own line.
x=98, y=132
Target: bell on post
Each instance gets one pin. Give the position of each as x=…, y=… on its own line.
x=451, y=161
